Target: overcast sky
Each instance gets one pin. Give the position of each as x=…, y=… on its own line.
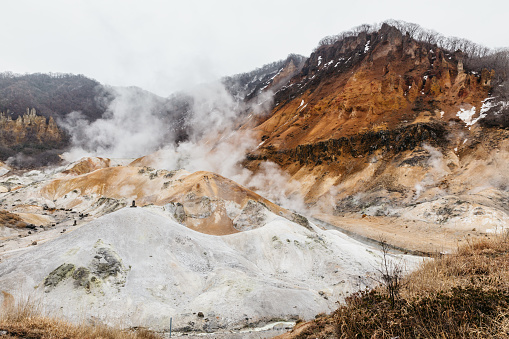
x=164, y=46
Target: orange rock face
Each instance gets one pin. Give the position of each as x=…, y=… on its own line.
x=29, y=128
x=361, y=106
x=370, y=82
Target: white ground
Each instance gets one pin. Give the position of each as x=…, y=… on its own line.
x=145, y=268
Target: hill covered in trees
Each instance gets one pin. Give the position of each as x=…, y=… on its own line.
x=52, y=95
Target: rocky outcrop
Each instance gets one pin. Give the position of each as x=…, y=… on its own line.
x=360, y=145
x=362, y=101
x=30, y=134
x=29, y=127
x=246, y=86
x=372, y=81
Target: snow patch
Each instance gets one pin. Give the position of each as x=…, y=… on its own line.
x=489, y=103
x=261, y=143
x=339, y=61
x=467, y=116
x=276, y=74
x=366, y=47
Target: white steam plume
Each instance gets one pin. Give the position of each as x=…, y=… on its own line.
x=129, y=128
x=437, y=172
x=132, y=127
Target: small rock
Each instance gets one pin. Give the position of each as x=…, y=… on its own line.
x=200, y=315
x=34, y=243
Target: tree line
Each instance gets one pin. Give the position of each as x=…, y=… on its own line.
x=476, y=55
x=53, y=75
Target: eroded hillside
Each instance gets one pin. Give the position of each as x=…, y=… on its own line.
x=379, y=135
x=380, y=124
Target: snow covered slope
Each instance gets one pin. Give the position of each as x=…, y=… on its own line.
x=138, y=267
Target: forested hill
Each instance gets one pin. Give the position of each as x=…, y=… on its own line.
x=52, y=95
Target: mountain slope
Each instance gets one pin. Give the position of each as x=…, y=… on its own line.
x=246, y=86
x=382, y=125
x=372, y=82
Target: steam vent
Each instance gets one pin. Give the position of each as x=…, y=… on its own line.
x=358, y=192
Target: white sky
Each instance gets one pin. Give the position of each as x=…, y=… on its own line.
x=164, y=46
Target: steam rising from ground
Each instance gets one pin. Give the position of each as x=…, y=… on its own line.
x=134, y=126
x=128, y=128
x=438, y=169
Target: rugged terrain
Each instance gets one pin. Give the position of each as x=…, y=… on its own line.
x=455, y=296
x=43, y=115
x=382, y=125
x=204, y=251
x=377, y=134
x=30, y=136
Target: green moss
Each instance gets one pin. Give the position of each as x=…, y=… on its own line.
x=58, y=275
x=81, y=278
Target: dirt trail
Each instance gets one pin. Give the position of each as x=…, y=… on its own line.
x=412, y=236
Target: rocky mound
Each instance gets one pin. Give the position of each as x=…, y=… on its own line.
x=30, y=140
x=59, y=200
x=139, y=267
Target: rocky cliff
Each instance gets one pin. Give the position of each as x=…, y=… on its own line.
x=382, y=115
x=30, y=134
x=377, y=81
x=29, y=127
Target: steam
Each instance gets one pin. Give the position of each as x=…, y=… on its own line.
x=438, y=169
x=277, y=186
x=128, y=128
x=133, y=126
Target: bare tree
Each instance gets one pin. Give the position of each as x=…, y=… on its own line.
x=364, y=28
x=390, y=274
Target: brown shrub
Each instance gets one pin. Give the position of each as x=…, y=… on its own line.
x=11, y=220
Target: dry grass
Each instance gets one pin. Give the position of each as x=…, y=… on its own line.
x=26, y=320
x=464, y=295
x=11, y=220
x=483, y=259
